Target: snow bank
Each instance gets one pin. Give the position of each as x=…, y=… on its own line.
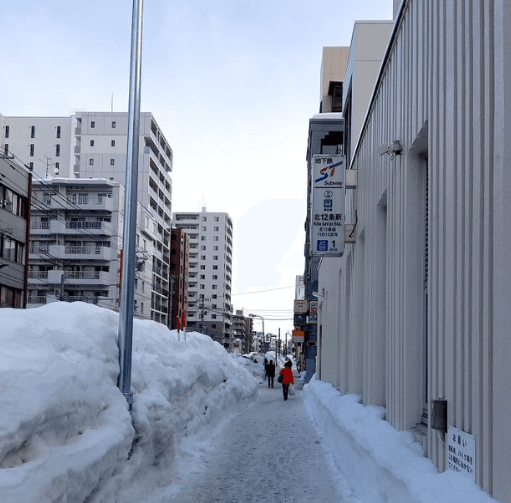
x=381, y=463
x=65, y=431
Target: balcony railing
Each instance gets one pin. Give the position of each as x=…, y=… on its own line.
x=33, y=299
x=38, y=274
x=83, y=225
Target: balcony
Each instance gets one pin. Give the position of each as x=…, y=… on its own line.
x=80, y=278
x=56, y=226
x=65, y=252
x=86, y=203
x=36, y=301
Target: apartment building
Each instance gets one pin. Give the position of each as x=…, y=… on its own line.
x=414, y=316
x=241, y=328
x=15, y=187
x=91, y=145
x=75, y=241
x=210, y=276
x=179, y=271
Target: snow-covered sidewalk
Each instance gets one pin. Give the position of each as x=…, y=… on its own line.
x=270, y=452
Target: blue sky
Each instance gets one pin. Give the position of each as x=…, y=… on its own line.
x=232, y=84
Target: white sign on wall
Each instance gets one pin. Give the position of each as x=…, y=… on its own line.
x=327, y=218
x=461, y=452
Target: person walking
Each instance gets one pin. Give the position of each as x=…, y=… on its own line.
x=270, y=372
x=287, y=378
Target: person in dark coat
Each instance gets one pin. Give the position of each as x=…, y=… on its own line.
x=270, y=372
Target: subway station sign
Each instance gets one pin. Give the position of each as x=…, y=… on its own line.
x=327, y=218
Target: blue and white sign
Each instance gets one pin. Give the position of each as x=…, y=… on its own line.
x=327, y=218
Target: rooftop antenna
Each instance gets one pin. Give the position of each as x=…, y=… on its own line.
x=112, y=103
x=203, y=204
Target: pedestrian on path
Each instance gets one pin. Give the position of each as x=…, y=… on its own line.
x=287, y=378
x=270, y=372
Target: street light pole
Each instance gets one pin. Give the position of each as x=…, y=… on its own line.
x=125, y=329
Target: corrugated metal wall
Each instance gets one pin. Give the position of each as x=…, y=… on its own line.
x=443, y=93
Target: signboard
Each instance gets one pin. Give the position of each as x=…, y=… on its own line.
x=301, y=306
x=313, y=312
x=461, y=452
x=298, y=335
x=327, y=218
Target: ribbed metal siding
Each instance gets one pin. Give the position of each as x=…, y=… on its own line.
x=441, y=72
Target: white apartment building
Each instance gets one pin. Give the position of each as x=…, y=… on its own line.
x=75, y=241
x=210, y=273
x=91, y=145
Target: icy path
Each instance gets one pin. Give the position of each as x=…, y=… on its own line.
x=268, y=453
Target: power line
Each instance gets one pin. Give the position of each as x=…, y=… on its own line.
x=264, y=291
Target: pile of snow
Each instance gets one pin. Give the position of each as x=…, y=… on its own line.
x=65, y=430
x=381, y=463
x=66, y=435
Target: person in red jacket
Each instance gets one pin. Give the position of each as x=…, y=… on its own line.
x=288, y=378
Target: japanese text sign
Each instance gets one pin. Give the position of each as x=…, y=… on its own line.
x=461, y=452
x=327, y=218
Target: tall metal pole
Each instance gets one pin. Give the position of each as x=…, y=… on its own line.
x=125, y=333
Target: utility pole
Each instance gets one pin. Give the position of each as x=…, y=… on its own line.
x=172, y=279
x=62, y=286
x=125, y=331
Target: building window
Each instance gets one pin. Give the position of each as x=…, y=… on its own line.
x=202, y=276
x=203, y=257
x=91, y=162
x=112, y=143
x=203, y=247
x=30, y=166
x=32, y=131
x=215, y=228
x=92, y=124
x=217, y=219
x=57, y=168
x=204, y=219
x=215, y=276
x=215, y=238
x=92, y=143
x=57, y=150
x=6, y=149
x=202, y=287
x=58, y=131
x=213, y=316
x=203, y=228
x=214, y=296
x=203, y=238
x=215, y=268
x=114, y=124
x=112, y=162
x=214, y=287
x=215, y=257
x=7, y=131
x=31, y=150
